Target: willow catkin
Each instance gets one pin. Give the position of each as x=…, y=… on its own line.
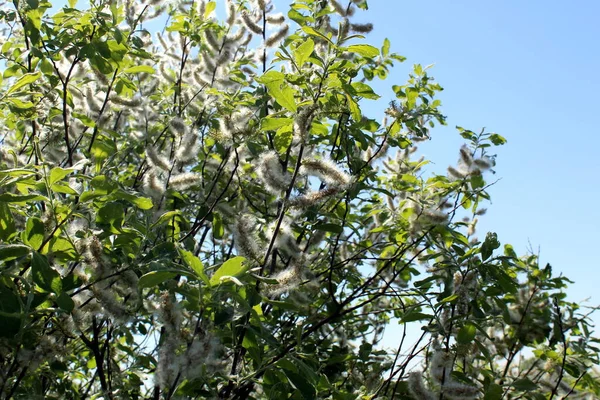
x=270, y=173
x=245, y=238
x=208, y=63
x=250, y=24
x=361, y=28
x=188, y=149
x=211, y=40
x=177, y=127
x=338, y=7
x=460, y=391
x=275, y=38
x=302, y=122
x=286, y=241
x=231, y=14
x=238, y=35
x=153, y=184
x=185, y=180
x=276, y=19
x=261, y=4
x=312, y=198
x=440, y=366
x=417, y=388
x=483, y=163
x=465, y=156
x=455, y=173
x=157, y=160
x=325, y=170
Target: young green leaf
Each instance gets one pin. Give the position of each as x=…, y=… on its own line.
x=25, y=80
x=195, y=264
x=34, y=233
x=233, y=267
x=155, y=278
x=303, y=52
x=365, y=50
x=44, y=275
x=140, y=69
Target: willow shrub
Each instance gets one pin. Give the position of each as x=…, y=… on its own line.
x=194, y=204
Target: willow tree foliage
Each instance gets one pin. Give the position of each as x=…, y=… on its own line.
x=195, y=204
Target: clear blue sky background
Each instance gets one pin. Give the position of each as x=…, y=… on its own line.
x=529, y=71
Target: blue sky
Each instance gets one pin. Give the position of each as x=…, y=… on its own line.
x=527, y=70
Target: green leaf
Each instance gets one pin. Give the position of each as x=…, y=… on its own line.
x=23, y=81
x=61, y=187
x=493, y=392
x=111, y=216
x=23, y=108
x=385, y=50
x=9, y=252
x=34, y=233
x=465, y=133
x=466, y=334
x=90, y=195
x=365, y=50
x=287, y=365
x=497, y=140
x=34, y=17
x=303, y=52
x=218, y=228
x=477, y=181
x=508, y=284
x=143, y=203
x=449, y=299
x=278, y=88
x=306, y=389
x=63, y=249
x=21, y=199
x=334, y=228
x=117, y=50
x=44, y=275
x=232, y=267
x=16, y=172
x=102, y=149
x=58, y=173
x=490, y=244
x=365, y=91
x=271, y=77
x=271, y=124
x=10, y=312
x=140, y=69
x=284, y=96
x=84, y=119
x=412, y=95
x=354, y=109
x=166, y=217
x=155, y=278
x=524, y=384
x=283, y=139
x=313, y=32
x=415, y=316
x=195, y=264
x=65, y=302
x=365, y=350
x=210, y=7
x=7, y=223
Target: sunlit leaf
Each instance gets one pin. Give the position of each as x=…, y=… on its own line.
x=233, y=267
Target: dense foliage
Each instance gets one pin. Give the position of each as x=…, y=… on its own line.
x=194, y=204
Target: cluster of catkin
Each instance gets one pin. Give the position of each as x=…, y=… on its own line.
x=440, y=381
x=181, y=347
